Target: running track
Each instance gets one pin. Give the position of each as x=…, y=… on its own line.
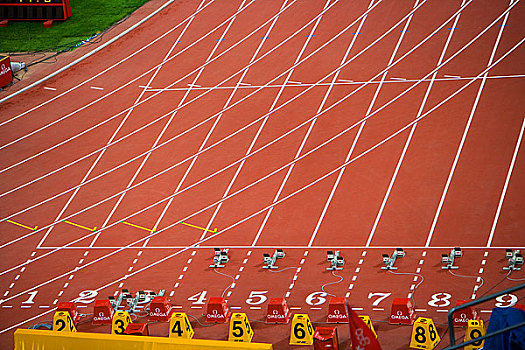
x=306, y=125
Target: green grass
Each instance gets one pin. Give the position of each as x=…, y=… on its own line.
x=89, y=17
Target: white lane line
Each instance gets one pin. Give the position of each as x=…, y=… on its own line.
x=452, y=76
x=361, y=127
x=340, y=82
x=264, y=209
x=326, y=141
x=152, y=96
x=111, y=139
x=334, y=187
x=310, y=128
x=225, y=107
x=96, y=88
x=345, y=164
x=465, y=132
x=49, y=88
x=287, y=102
x=283, y=246
x=213, y=116
x=165, y=128
x=401, y=79
x=409, y=138
x=263, y=124
x=506, y=185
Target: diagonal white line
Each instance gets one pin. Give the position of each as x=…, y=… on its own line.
x=407, y=142
x=313, y=150
x=168, y=122
x=358, y=135
x=464, y=136
x=284, y=135
x=257, y=134
x=273, y=204
x=507, y=180
x=119, y=127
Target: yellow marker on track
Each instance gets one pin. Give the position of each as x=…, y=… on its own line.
x=141, y=227
x=77, y=225
x=198, y=227
x=24, y=226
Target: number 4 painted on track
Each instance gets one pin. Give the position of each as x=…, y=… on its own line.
x=381, y=297
x=199, y=298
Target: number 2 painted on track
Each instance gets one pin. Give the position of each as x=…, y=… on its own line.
x=86, y=297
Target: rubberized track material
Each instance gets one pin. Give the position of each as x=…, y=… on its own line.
x=305, y=125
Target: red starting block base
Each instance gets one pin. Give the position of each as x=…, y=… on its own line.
x=402, y=312
x=217, y=311
x=4, y=23
x=277, y=311
x=137, y=329
x=48, y=24
x=337, y=311
x=102, y=312
x=160, y=309
x=462, y=317
x=71, y=308
x=325, y=338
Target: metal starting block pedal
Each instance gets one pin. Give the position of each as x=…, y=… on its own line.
x=335, y=260
x=449, y=259
x=390, y=260
x=131, y=301
x=220, y=258
x=269, y=261
x=515, y=260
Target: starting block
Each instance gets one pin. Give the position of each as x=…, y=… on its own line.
x=390, y=260
x=515, y=260
x=337, y=311
x=269, y=261
x=302, y=330
x=102, y=312
x=462, y=317
x=325, y=338
x=448, y=260
x=335, y=260
x=475, y=330
x=424, y=334
x=137, y=329
x=402, y=312
x=160, y=309
x=278, y=311
x=220, y=258
x=217, y=311
x=71, y=308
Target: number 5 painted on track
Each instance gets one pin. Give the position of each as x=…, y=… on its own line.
x=381, y=297
x=254, y=295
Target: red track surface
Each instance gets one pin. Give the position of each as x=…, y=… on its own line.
x=454, y=178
